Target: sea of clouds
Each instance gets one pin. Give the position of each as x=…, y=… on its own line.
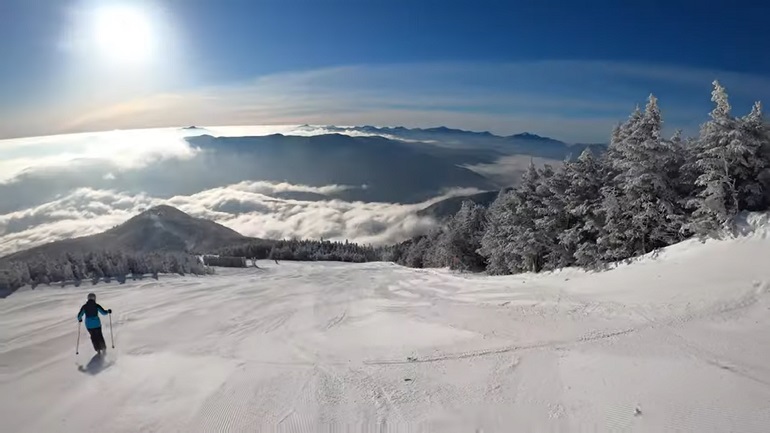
x=60, y=187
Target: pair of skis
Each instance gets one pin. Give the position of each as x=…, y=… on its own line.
x=102, y=351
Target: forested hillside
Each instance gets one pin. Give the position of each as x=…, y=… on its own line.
x=646, y=192
x=93, y=267
x=304, y=250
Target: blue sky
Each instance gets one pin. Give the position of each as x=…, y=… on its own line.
x=566, y=69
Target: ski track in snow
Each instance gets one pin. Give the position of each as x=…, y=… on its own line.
x=676, y=343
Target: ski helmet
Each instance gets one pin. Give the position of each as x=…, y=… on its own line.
x=92, y=296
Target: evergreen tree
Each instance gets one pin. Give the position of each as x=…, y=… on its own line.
x=512, y=242
x=67, y=274
x=435, y=245
x=552, y=216
x=583, y=204
x=729, y=161
x=462, y=238
x=527, y=249
x=755, y=185
x=642, y=206
x=415, y=256
x=498, y=234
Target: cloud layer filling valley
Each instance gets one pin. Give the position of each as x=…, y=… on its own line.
x=98, y=181
x=88, y=211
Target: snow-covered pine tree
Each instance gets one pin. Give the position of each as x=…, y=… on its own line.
x=498, y=233
x=755, y=187
x=641, y=202
x=415, y=255
x=729, y=159
x=529, y=244
x=14, y=275
x=553, y=218
x=763, y=130
x=93, y=268
x=435, y=253
x=67, y=274
x=685, y=165
x=716, y=201
x=612, y=243
x=583, y=204
x=462, y=237
x=22, y=270
x=621, y=134
x=512, y=242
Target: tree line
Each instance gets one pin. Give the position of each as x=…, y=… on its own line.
x=77, y=268
x=644, y=193
x=304, y=250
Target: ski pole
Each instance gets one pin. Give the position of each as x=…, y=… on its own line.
x=77, y=347
x=112, y=339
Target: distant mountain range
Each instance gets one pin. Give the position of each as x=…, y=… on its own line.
x=524, y=143
x=395, y=164
x=161, y=228
x=387, y=164
x=377, y=168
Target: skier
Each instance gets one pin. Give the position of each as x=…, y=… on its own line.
x=91, y=309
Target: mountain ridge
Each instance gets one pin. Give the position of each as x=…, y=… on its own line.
x=444, y=130
x=339, y=159
x=444, y=138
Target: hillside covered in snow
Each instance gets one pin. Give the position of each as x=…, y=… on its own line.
x=674, y=342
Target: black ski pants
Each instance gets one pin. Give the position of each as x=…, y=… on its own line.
x=97, y=339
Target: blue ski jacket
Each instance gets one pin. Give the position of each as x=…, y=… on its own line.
x=90, y=310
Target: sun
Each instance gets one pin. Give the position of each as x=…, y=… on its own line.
x=123, y=34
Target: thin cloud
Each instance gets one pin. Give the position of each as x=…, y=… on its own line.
x=125, y=149
x=134, y=149
x=269, y=188
x=507, y=170
x=501, y=97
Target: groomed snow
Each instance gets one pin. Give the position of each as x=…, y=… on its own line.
x=679, y=342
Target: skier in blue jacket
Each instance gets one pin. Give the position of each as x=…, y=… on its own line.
x=91, y=309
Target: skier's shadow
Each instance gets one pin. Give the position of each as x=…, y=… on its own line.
x=96, y=365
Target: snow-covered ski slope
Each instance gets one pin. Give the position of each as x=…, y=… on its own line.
x=680, y=342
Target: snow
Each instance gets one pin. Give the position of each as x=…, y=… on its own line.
x=678, y=341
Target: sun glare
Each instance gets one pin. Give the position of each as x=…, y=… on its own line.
x=123, y=34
